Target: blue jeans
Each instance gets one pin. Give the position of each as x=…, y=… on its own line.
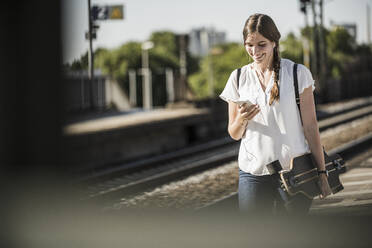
x=263, y=195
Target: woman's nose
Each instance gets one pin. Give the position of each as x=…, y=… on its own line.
x=254, y=50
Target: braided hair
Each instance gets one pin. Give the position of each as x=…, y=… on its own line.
x=276, y=65
x=264, y=25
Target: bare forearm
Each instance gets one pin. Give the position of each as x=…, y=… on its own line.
x=313, y=139
x=237, y=129
x=239, y=116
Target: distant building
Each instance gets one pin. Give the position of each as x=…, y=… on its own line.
x=351, y=28
x=202, y=39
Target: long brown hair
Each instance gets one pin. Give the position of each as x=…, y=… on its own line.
x=264, y=25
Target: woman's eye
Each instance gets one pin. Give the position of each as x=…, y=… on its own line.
x=262, y=45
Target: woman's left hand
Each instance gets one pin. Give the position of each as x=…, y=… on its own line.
x=324, y=186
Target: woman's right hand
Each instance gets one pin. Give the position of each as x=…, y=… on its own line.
x=239, y=117
x=246, y=113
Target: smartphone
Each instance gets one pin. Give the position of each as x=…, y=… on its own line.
x=241, y=102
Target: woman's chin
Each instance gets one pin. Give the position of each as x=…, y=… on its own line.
x=260, y=60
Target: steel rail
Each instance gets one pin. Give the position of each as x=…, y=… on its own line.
x=149, y=173
x=346, y=151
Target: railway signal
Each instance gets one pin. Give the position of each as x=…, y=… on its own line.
x=103, y=13
x=99, y=13
x=107, y=12
x=303, y=4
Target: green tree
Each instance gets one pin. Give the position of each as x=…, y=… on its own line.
x=341, y=48
x=291, y=48
x=221, y=61
x=165, y=42
x=115, y=62
x=165, y=54
x=80, y=64
x=339, y=40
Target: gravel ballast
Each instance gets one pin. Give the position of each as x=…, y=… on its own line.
x=199, y=190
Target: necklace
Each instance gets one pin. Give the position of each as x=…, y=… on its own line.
x=263, y=76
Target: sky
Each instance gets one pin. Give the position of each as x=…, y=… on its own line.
x=142, y=17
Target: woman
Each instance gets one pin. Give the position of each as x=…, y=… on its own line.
x=271, y=128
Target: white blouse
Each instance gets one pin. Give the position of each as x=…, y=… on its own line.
x=276, y=132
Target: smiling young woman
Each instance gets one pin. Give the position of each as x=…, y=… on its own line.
x=276, y=134
x=262, y=51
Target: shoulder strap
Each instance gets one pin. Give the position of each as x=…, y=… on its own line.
x=237, y=77
x=296, y=89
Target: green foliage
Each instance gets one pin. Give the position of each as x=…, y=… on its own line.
x=337, y=62
x=164, y=54
x=307, y=32
x=339, y=40
x=165, y=42
x=291, y=48
x=340, y=51
x=364, y=50
x=103, y=60
x=223, y=60
x=80, y=64
x=116, y=62
x=364, y=58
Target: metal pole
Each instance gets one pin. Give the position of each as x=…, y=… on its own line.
x=90, y=56
x=146, y=82
x=82, y=93
x=368, y=24
x=170, y=84
x=144, y=79
x=210, y=75
x=322, y=48
x=315, y=42
x=306, y=45
x=132, y=88
x=150, y=87
x=206, y=44
x=183, y=67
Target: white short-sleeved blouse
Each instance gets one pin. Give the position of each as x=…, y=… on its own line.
x=276, y=132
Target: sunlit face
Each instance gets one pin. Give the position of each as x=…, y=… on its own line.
x=259, y=48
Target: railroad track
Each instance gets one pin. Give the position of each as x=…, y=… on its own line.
x=347, y=151
x=132, y=178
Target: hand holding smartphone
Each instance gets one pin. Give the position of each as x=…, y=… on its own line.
x=241, y=102
x=247, y=109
